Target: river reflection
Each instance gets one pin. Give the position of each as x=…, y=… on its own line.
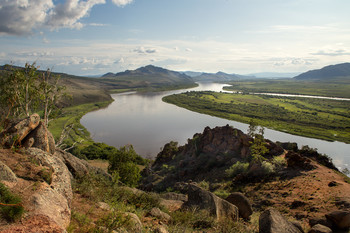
x=146, y=122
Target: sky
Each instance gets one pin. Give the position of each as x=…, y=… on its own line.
x=89, y=37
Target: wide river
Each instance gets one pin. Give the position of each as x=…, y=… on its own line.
x=146, y=122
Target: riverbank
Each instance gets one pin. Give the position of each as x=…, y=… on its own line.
x=315, y=118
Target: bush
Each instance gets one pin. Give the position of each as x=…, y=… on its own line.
x=236, y=169
x=122, y=164
x=267, y=167
x=10, y=212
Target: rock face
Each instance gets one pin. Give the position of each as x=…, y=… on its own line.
x=271, y=221
x=243, y=204
x=340, y=218
x=156, y=212
x=16, y=131
x=54, y=199
x=202, y=199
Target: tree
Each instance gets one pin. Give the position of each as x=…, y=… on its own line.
x=23, y=92
x=51, y=93
x=258, y=145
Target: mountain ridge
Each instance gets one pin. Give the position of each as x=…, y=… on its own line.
x=326, y=73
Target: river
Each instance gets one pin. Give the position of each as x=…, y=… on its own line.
x=146, y=122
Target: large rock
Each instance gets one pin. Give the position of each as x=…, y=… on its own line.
x=202, y=199
x=55, y=198
x=78, y=167
x=157, y=213
x=244, y=206
x=6, y=174
x=340, y=218
x=40, y=138
x=15, y=132
x=271, y=221
x=136, y=225
x=318, y=228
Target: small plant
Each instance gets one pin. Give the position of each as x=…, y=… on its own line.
x=237, y=168
x=267, y=167
x=11, y=208
x=204, y=185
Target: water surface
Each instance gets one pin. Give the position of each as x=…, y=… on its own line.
x=146, y=122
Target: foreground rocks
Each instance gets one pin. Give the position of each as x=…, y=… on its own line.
x=271, y=221
x=202, y=199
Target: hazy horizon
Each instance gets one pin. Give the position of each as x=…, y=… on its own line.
x=94, y=37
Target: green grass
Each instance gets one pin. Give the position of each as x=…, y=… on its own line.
x=72, y=115
x=317, y=118
x=11, y=208
x=333, y=88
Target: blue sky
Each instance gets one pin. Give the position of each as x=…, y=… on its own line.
x=86, y=37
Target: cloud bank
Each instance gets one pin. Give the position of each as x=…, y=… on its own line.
x=22, y=17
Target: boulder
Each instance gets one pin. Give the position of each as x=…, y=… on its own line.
x=343, y=202
x=160, y=229
x=296, y=160
x=6, y=174
x=15, y=132
x=322, y=221
x=202, y=199
x=136, y=225
x=272, y=221
x=340, y=218
x=243, y=204
x=318, y=228
x=157, y=213
x=40, y=138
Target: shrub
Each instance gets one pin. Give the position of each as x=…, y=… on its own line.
x=237, y=168
x=267, y=167
x=279, y=162
x=11, y=208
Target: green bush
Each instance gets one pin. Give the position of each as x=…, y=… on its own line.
x=10, y=212
x=267, y=167
x=237, y=168
x=123, y=164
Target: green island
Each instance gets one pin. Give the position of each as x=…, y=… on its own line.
x=317, y=118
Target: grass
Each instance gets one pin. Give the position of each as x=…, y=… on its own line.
x=72, y=116
x=316, y=118
x=333, y=88
x=11, y=208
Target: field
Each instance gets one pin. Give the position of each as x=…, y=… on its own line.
x=333, y=88
x=316, y=118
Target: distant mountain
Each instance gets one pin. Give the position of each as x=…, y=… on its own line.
x=192, y=73
x=220, y=77
x=328, y=72
x=274, y=75
x=151, y=76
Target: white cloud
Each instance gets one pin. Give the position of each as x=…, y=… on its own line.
x=332, y=53
x=67, y=15
x=188, y=50
x=23, y=17
x=143, y=50
x=122, y=2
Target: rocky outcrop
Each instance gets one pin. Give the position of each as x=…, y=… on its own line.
x=202, y=199
x=243, y=204
x=16, y=131
x=29, y=132
x=271, y=221
x=136, y=225
x=54, y=199
x=295, y=160
x=40, y=138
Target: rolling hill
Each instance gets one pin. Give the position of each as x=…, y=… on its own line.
x=327, y=73
x=151, y=76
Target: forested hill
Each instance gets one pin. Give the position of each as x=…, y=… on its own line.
x=327, y=73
